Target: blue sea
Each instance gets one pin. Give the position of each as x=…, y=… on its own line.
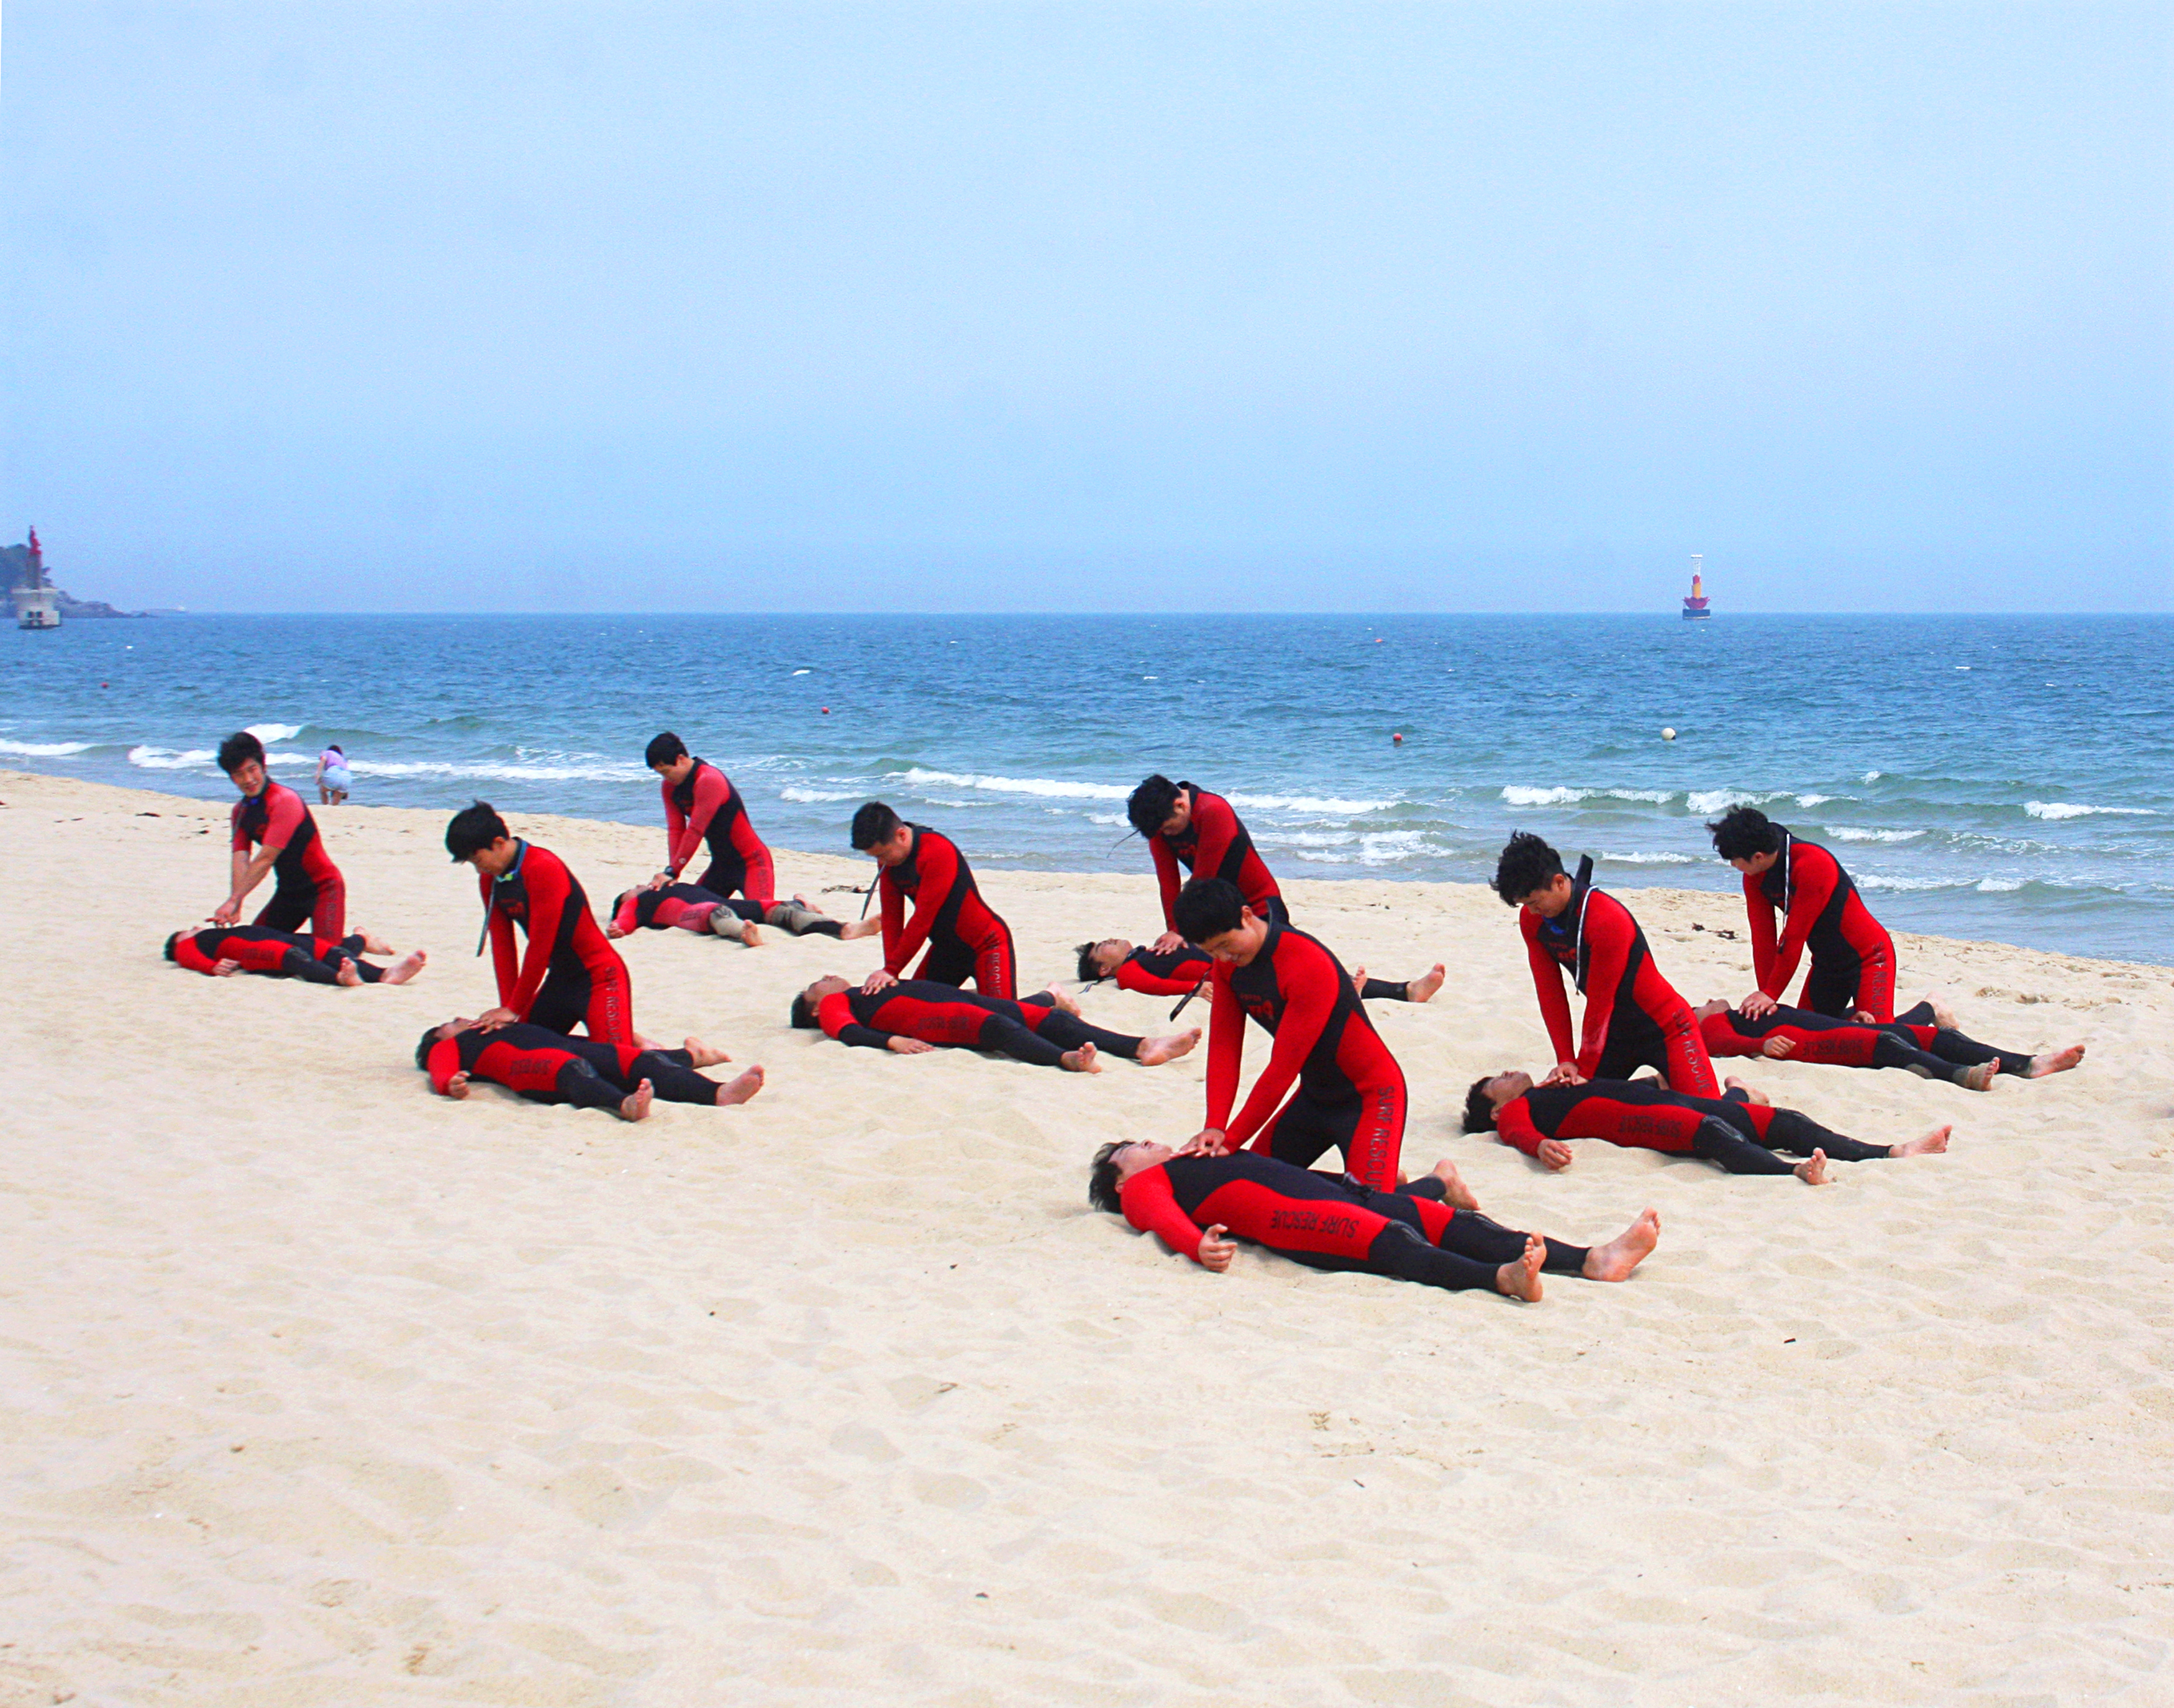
x=1998, y=777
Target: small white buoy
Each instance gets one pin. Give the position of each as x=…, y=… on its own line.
x=1667, y=735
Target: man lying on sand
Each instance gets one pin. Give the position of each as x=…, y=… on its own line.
x=549, y=1067
x=1181, y=971
x=221, y=950
x=1428, y=1231
x=917, y=1015
x=1924, y=1040
x=689, y=907
x=1740, y=1131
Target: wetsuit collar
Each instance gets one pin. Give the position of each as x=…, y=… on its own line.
x=511, y=875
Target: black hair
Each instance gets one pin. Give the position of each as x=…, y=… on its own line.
x=1207, y=907
x=172, y=943
x=804, y=1013
x=874, y=823
x=1741, y=832
x=1528, y=863
x=1150, y=803
x=663, y=750
x=1102, y=1178
x=474, y=827
x=1089, y=973
x=1478, y=1106
x=238, y=750
x=429, y=1041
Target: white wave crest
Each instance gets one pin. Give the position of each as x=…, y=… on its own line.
x=794, y=791
x=1701, y=801
x=1386, y=847
x=44, y=749
x=1306, y=838
x=1813, y=800
x=1306, y=803
x=1650, y=859
x=2066, y=810
x=1107, y=818
x=1997, y=886
x=1857, y=833
x=1048, y=788
x=521, y=774
x=1873, y=776
x=1876, y=881
x=275, y=731
x=1520, y=795
x=157, y=758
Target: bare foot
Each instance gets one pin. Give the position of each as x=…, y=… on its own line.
x=1080, y=1061
x=1776, y=1048
x=349, y=974
x=859, y=927
x=1933, y=1144
x=1064, y=1000
x=750, y=935
x=1422, y=989
x=701, y=1054
x=637, y=1107
x=2054, y=1061
x=1813, y=1171
x=1454, y=1192
x=457, y=1088
x=1155, y=1051
x=1944, y=1017
x=405, y=968
x=1750, y=1091
x=1615, y=1261
x=372, y=943
x=740, y=1090
x=1981, y=1077
x=1521, y=1279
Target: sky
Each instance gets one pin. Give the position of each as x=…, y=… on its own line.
x=453, y=306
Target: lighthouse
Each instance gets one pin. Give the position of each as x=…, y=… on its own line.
x=35, y=608
x=1694, y=607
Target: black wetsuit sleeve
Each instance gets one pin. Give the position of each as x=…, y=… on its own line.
x=866, y=1037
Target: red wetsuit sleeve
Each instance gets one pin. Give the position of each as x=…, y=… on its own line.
x=1760, y=912
x=187, y=954
x=1813, y=875
x=711, y=792
x=505, y=954
x=1308, y=978
x=1548, y=986
x=1608, y=938
x=282, y=815
x=1513, y=1126
x=1226, y=1045
x=1722, y=1039
x=835, y=1015
x=1151, y=1207
x=626, y=919
x=1132, y=976
x=443, y=1062
x=939, y=870
x=675, y=821
x=1168, y=876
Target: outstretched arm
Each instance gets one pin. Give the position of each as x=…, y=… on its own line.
x=1608, y=937
x=1151, y=1207
x=939, y=870
x=1813, y=876
x=1547, y=986
x=1310, y=978
x=1168, y=877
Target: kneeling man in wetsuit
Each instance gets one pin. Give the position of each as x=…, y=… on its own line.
x=965, y=937
x=909, y=1017
x=1429, y=1230
x=1852, y=971
x=546, y=1067
x=277, y=823
x=220, y=951
x=1184, y=825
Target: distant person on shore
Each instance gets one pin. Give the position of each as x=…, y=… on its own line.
x=570, y=975
x=912, y=1017
x=1330, y=1083
x=221, y=951
x=1925, y=1041
x=689, y=907
x=1185, y=826
x=545, y=1066
x=333, y=780
x=1852, y=971
x=1634, y=1018
x=1183, y=970
x=1428, y=1231
x=273, y=820
x=702, y=807
x=1740, y=1132
x=965, y=937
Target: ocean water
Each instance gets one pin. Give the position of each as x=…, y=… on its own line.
x=2003, y=778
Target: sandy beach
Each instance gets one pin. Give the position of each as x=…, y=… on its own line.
x=321, y=1390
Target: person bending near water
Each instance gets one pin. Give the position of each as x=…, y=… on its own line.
x=689, y=907
x=570, y=975
x=1181, y=972
x=1852, y=958
x=1429, y=1230
x=965, y=937
x=1185, y=825
x=1633, y=1017
x=702, y=806
x=914, y=1016
x=225, y=950
x=273, y=820
x=1740, y=1131
x=1349, y=1092
x=1924, y=1040
x=546, y=1067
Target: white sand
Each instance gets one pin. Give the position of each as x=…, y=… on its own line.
x=319, y=1390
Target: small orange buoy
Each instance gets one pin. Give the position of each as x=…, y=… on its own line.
x=826, y=712
x=1398, y=739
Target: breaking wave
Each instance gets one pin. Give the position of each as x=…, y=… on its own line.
x=44, y=749
x=1855, y=833
x=2065, y=810
x=159, y=759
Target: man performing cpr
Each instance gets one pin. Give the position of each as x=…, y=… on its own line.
x=701, y=808
x=910, y=1017
x=965, y=938
x=546, y=1067
x=1185, y=825
x=1853, y=970
x=276, y=823
x=1350, y=1091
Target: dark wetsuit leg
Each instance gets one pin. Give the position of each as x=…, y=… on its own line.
x=1068, y=1032
x=1953, y=1046
x=1466, y=1232
x=580, y=1084
x=1717, y=1141
x=1385, y=990
x=350, y=951
x=300, y=963
x=1304, y=1130
x=1830, y=986
x=563, y=1002
x=1800, y=1135
x=671, y=1075
x=290, y=907
x=1002, y=1032
x=1896, y=1048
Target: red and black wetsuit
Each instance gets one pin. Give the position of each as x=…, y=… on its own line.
x=1740, y=1135
x=689, y=906
x=571, y=976
x=1911, y=1042
x=1633, y=1017
x=546, y=1067
x=307, y=885
x=259, y=948
x=1215, y=844
x=1176, y=974
x=941, y=1013
x=1852, y=956
x=704, y=807
x=965, y=938
x=1326, y=1222
x=1350, y=1095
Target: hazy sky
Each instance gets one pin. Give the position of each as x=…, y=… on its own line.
x=1000, y=306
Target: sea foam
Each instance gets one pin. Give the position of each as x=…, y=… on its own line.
x=44, y=749
x=2066, y=810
